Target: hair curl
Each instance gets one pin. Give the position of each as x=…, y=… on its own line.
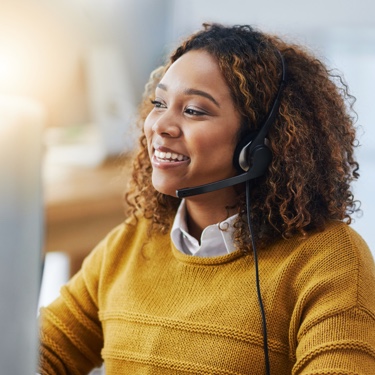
x=312, y=139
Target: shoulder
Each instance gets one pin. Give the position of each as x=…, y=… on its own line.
x=132, y=226
x=121, y=239
x=338, y=239
x=338, y=246
x=126, y=235
x=342, y=242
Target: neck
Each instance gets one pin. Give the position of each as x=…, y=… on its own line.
x=208, y=209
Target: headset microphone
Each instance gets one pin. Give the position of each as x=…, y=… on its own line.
x=261, y=158
x=251, y=156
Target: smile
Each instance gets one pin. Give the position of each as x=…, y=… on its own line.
x=169, y=156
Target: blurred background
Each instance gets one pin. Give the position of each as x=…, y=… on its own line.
x=84, y=64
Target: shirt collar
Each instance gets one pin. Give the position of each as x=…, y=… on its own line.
x=216, y=239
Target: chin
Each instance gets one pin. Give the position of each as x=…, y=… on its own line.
x=166, y=190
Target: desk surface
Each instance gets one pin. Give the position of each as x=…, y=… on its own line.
x=82, y=204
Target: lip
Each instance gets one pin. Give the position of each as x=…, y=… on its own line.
x=166, y=149
x=165, y=164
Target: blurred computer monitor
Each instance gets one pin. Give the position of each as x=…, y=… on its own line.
x=21, y=233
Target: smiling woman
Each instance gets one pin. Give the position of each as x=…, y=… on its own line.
x=194, y=116
x=259, y=277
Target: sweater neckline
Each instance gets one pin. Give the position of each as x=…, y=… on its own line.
x=206, y=261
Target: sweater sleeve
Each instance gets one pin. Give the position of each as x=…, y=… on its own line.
x=335, y=319
x=71, y=336
x=342, y=344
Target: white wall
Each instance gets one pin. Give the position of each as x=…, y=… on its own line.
x=287, y=15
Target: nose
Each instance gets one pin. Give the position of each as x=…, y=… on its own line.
x=166, y=126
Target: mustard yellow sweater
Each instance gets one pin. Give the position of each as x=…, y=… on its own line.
x=145, y=308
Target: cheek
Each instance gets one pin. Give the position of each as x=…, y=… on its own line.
x=147, y=129
x=219, y=145
x=215, y=154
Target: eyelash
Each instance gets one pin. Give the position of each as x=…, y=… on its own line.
x=194, y=112
x=189, y=111
x=157, y=103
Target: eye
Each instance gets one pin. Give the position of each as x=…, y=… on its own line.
x=158, y=104
x=194, y=112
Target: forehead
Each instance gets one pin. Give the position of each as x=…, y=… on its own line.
x=199, y=70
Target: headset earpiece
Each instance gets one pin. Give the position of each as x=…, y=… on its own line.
x=246, y=154
x=241, y=159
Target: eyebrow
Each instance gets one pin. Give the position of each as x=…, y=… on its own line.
x=193, y=92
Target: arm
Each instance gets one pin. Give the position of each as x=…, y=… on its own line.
x=70, y=335
x=336, y=311
x=343, y=344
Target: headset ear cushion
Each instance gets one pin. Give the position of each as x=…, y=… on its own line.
x=245, y=141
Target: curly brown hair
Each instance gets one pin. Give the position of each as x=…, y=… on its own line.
x=312, y=139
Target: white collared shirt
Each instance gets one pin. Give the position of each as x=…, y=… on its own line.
x=216, y=239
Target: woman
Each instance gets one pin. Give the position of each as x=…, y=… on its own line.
x=261, y=276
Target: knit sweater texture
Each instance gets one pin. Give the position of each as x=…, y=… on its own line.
x=143, y=307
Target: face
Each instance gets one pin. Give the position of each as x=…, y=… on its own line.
x=192, y=130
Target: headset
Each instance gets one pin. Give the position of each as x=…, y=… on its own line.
x=252, y=156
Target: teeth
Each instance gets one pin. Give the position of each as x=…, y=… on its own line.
x=169, y=156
